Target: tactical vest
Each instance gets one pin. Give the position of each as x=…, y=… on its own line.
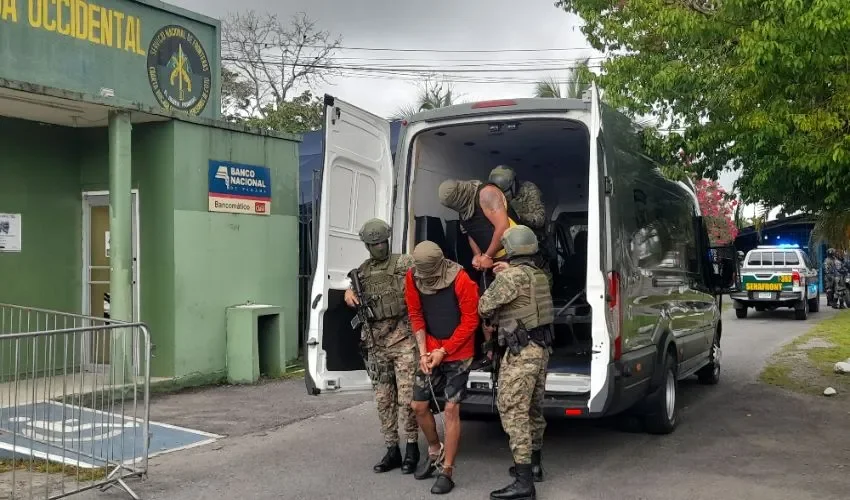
x=441, y=311
x=383, y=286
x=533, y=307
x=479, y=227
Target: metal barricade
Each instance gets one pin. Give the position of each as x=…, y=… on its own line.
x=74, y=403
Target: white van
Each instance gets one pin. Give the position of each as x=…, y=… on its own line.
x=634, y=289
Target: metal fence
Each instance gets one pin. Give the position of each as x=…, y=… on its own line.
x=74, y=403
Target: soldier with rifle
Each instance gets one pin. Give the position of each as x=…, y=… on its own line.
x=519, y=301
x=391, y=354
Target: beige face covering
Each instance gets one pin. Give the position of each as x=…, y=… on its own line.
x=433, y=272
x=459, y=196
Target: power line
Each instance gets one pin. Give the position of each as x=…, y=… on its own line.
x=408, y=50
x=421, y=69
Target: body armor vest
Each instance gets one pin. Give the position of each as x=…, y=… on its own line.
x=533, y=308
x=383, y=286
x=479, y=227
x=441, y=312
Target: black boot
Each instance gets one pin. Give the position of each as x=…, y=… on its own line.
x=392, y=460
x=411, y=458
x=536, y=467
x=521, y=489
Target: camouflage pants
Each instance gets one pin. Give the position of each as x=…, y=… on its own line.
x=522, y=383
x=391, y=370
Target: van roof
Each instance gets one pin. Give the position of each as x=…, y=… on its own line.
x=501, y=106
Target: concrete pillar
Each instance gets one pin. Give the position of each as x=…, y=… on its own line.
x=121, y=254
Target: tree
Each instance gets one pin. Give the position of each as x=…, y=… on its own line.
x=267, y=63
x=235, y=94
x=433, y=93
x=578, y=81
x=756, y=85
x=300, y=114
x=717, y=208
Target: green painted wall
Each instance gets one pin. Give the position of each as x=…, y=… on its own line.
x=40, y=180
x=46, y=42
x=227, y=259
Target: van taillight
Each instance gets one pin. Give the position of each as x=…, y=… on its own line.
x=795, y=278
x=494, y=104
x=616, y=309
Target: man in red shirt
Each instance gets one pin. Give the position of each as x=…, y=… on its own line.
x=442, y=301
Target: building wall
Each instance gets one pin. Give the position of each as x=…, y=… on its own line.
x=40, y=180
x=118, y=52
x=193, y=263
x=222, y=260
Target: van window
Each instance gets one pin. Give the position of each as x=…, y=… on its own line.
x=755, y=259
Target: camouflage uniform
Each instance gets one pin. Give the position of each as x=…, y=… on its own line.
x=522, y=377
x=528, y=205
x=391, y=361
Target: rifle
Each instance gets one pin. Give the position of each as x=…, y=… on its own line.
x=365, y=314
x=494, y=373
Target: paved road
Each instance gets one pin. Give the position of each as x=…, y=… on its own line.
x=737, y=440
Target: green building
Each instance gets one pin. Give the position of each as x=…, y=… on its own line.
x=119, y=177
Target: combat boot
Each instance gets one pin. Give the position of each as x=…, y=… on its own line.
x=521, y=489
x=411, y=458
x=536, y=467
x=392, y=460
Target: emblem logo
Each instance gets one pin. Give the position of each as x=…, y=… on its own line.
x=179, y=70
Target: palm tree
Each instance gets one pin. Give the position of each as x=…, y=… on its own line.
x=578, y=81
x=432, y=95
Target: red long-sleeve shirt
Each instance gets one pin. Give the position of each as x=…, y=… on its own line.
x=461, y=345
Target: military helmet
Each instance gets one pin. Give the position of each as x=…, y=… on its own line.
x=375, y=231
x=830, y=252
x=503, y=176
x=519, y=241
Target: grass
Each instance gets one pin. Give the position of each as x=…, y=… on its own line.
x=806, y=364
x=45, y=467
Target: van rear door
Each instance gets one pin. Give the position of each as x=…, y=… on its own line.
x=357, y=185
x=604, y=301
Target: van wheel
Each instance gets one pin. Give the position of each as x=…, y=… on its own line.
x=802, y=314
x=741, y=313
x=662, y=415
x=710, y=373
x=814, y=304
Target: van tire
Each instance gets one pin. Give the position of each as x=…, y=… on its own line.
x=662, y=416
x=741, y=313
x=710, y=373
x=802, y=314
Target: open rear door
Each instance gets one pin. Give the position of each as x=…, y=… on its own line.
x=357, y=184
x=604, y=317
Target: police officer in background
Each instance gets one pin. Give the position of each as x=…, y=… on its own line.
x=519, y=302
x=526, y=200
x=391, y=353
x=830, y=270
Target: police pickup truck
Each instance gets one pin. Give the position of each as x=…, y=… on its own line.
x=777, y=276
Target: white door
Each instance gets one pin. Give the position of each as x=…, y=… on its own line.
x=599, y=279
x=96, y=268
x=357, y=185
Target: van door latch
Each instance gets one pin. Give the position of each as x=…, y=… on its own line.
x=609, y=185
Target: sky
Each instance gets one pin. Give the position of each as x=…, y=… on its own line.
x=467, y=39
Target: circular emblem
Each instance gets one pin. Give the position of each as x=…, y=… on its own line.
x=179, y=70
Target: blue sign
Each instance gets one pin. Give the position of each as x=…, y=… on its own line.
x=87, y=438
x=238, y=188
